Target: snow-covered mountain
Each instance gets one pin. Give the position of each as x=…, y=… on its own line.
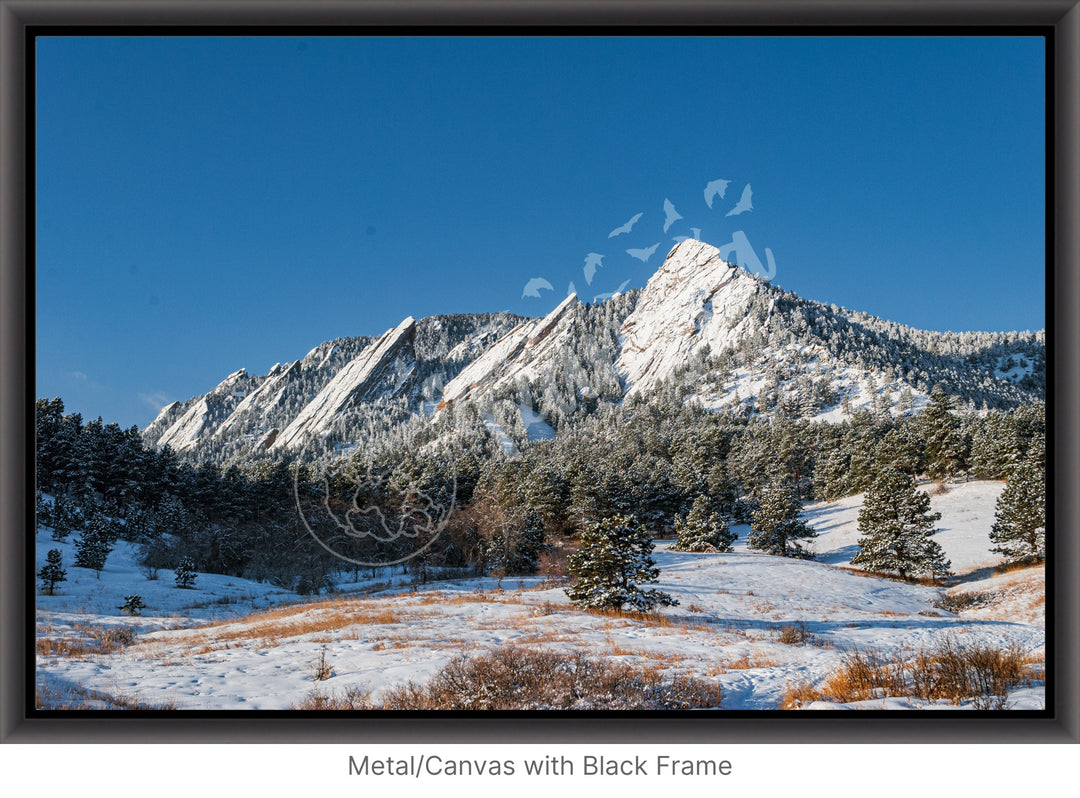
x=702, y=330
x=695, y=300
x=406, y=367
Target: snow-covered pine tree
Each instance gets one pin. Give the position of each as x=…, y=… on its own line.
x=777, y=528
x=897, y=525
x=615, y=559
x=995, y=446
x=901, y=449
x=530, y=544
x=832, y=475
x=66, y=516
x=133, y=605
x=51, y=573
x=93, y=547
x=185, y=574
x=1019, y=530
x=43, y=510
x=703, y=530
x=945, y=449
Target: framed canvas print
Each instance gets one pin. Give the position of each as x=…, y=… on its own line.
x=372, y=371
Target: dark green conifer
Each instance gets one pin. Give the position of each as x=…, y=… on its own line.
x=777, y=527
x=897, y=528
x=702, y=530
x=1019, y=530
x=615, y=559
x=51, y=573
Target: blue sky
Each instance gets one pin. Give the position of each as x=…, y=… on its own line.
x=206, y=204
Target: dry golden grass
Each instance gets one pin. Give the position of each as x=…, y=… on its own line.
x=76, y=698
x=457, y=599
x=65, y=647
x=953, y=672
x=925, y=581
x=651, y=619
x=391, y=643
x=798, y=695
x=1010, y=567
x=270, y=628
x=83, y=641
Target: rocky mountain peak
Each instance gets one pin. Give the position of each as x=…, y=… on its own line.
x=695, y=298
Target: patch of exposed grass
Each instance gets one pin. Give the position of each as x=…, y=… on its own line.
x=87, y=641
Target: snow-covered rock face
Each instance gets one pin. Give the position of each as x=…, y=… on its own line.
x=524, y=352
x=264, y=399
x=182, y=425
x=361, y=379
x=695, y=298
x=185, y=431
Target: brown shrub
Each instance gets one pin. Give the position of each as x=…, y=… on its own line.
x=552, y=564
x=516, y=678
x=954, y=672
x=797, y=634
x=351, y=698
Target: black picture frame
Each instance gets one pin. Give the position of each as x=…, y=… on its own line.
x=20, y=20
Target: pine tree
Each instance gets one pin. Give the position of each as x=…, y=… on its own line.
x=907, y=400
x=42, y=510
x=185, y=574
x=897, y=525
x=945, y=448
x=901, y=449
x=133, y=605
x=51, y=573
x=832, y=475
x=93, y=547
x=703, y=530
x=614, y=560
x=66, y=516
x=530, y=544
x=1019, y=530
x=777, y=528
x=995, y=446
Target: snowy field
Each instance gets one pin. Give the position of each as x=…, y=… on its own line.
x=755, y=624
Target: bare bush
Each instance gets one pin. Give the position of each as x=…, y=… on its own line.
x=323, y=670
x=552, y=564
x=351, y=698
x=116, y=637
x=515, y=678
x=958, y=602
x=796, y=634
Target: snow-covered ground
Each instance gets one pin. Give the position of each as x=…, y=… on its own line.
x=235, y=644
